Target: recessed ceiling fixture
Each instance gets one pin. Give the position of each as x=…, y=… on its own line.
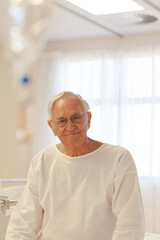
x=103, y=7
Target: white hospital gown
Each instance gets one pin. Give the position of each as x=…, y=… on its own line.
x=95, y=196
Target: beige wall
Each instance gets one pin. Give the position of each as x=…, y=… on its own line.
x=14, y=157
x=7, y=141
x=109, y=43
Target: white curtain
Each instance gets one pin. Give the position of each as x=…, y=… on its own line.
x=123, y=90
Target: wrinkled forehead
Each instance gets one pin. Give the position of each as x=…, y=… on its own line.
x=70, y=104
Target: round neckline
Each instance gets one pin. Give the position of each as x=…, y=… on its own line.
x=78, y=158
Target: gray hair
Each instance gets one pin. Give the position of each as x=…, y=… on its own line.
x=56, y=97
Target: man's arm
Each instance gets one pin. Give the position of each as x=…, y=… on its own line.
x=26, y=219
x=127, y=202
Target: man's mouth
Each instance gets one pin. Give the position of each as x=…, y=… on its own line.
x=68, y=134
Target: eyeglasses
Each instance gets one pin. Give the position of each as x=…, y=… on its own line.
x=77, y=118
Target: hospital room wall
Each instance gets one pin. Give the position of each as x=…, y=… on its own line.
x=15, y=154
x=18, y=120
x=7, y=106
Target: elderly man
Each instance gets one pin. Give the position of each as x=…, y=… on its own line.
x=80, y=189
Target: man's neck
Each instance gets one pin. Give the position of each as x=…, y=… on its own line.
x=89, y=146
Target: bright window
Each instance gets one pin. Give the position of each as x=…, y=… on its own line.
x=124, y=96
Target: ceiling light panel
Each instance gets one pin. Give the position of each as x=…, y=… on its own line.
x=104, y=7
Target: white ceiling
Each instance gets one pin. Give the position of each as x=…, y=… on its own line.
x=69, y=22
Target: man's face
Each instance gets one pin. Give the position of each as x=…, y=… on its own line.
x=72, y=133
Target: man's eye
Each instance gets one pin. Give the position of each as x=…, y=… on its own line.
x=76, y=118
x=62, y=121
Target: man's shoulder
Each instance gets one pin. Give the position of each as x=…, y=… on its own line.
x=44, y=155
x=45, y=150
x=114, y=148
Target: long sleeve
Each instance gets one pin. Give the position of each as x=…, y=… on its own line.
x=26, y=220
x=127, y=202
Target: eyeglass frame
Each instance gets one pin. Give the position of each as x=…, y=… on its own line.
x=71, y=118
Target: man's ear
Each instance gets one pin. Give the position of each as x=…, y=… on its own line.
x=50, y=123
x=89, y=119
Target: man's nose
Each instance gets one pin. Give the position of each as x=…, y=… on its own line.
x=70, y=124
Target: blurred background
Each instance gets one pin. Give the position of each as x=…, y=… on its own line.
x=108, y=54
